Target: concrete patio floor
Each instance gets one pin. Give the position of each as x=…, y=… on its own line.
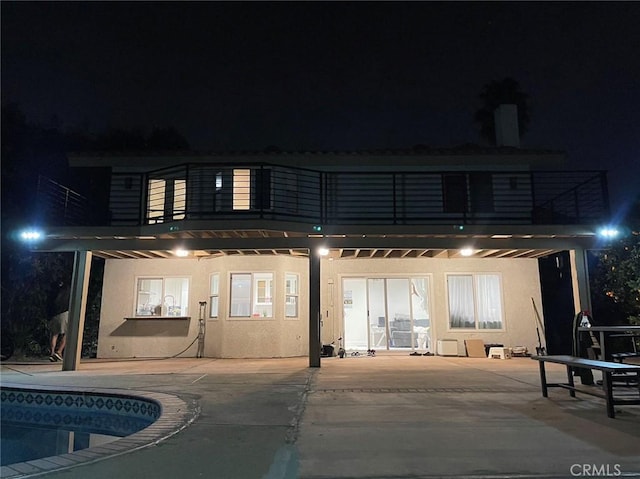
x=389, y=416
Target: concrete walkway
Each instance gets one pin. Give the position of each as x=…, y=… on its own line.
x=368, y=417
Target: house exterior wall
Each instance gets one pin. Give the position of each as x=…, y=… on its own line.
x=279, y=337
x=225, y=337
x=520, y=283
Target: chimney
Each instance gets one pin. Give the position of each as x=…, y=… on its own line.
x=506, y=121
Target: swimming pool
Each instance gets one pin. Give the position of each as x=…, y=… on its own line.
x=46, y=428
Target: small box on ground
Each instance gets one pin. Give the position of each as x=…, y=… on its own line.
x=447, y=347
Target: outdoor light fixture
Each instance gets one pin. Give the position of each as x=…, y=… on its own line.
x=31, y=235
x=323, y=251
x=466, y=251
x=181, y=253
x=609, y=232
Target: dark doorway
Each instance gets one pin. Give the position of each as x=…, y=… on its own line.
x=455, y=193
x=557, y=302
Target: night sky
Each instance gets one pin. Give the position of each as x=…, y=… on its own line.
x=336, y=75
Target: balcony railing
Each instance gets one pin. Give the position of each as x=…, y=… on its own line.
x=57, y=204
x=262, y=191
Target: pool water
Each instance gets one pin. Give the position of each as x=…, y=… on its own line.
x=26, y=443
x=37, y=424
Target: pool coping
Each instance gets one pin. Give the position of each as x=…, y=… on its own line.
x=175, y=415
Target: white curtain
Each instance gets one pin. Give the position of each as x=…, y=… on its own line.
x=489, y=303
x=461, y=310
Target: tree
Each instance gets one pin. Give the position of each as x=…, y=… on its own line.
x=494, y=94
x=615, y=278
x=29, y=280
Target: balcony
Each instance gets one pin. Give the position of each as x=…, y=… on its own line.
x=215, y=192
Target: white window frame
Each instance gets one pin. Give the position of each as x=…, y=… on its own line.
x=214, y=295
x=498, y=303
x=291, y=297
x=263, y=309
x=157, y=302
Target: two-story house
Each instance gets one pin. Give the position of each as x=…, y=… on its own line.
x=272, y=253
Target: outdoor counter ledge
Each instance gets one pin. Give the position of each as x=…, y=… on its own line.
x=158, y=317
x=175, y=415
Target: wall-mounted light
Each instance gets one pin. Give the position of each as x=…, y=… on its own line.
x=31, y=235
x=181, y=253
x=323, y=251
x=609, y=232
x=466, y=251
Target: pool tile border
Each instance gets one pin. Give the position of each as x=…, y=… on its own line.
x=175, y=415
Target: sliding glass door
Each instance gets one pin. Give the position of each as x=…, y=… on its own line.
x=386, y=313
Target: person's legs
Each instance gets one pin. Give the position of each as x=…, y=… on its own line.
x=54, y=342
x=62, y=344
x=58, y=329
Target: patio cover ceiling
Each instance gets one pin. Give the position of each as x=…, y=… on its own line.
x=359, y=241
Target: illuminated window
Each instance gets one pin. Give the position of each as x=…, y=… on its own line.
x=241, y=189
x=179, y=199
x=251, y=295
x=475, y=301
x=159, y=209
x=263, y=295
x=291, y=295
x=162, y=297
x=155, y=203
x=214, y=295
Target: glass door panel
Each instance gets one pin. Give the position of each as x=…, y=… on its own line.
x=378, y=328
x=420, y=308
x=354, y=306
x=399, y=314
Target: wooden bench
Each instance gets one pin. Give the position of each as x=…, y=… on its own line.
x=608, y=369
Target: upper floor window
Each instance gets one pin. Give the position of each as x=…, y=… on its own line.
x=475, y=301
x=166, y=200
x=241, y=189
x=160, y=296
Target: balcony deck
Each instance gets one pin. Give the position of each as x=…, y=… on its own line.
x=271, y=192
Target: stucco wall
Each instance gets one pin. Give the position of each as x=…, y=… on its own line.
x=279, y=337
x=520, y=283
x=225, y=337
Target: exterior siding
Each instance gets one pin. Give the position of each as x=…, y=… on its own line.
x=358, y=197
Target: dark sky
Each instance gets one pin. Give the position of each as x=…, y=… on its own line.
x=334, y=75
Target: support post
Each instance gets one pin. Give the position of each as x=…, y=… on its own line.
x=314, y=308
x=580, y=267
x=77, y=309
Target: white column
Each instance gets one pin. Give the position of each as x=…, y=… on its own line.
x=77, y=309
